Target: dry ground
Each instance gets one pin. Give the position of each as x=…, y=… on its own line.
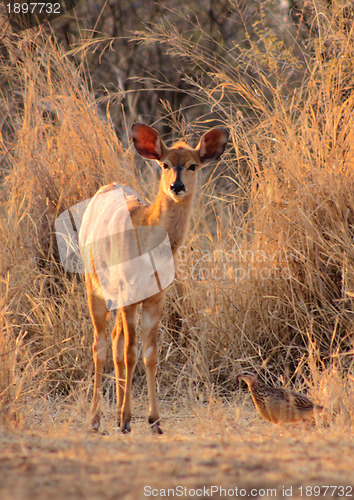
x=203, y=446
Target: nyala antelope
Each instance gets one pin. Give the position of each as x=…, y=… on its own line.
x=171, y=211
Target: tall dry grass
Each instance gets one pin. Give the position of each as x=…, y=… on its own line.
x=266, y=277
x=273, y=243
x=57, y=149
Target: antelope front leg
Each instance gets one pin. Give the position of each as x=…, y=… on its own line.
x=150, y=323
x=118, y=358
x=130, y=351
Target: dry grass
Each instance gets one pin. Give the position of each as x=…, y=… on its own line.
x=268, y=269
x=266, y=277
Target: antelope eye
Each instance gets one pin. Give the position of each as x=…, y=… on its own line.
x=165, y=166
x=192, y=167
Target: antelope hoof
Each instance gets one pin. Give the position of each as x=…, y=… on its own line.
x=126, y=429
x=156, y=429
x=155, y=426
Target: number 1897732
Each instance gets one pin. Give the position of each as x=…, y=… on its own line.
x=34, y=8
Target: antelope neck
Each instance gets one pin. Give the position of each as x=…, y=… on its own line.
x=171, y=215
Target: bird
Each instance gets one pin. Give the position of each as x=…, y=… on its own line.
x=276, y=404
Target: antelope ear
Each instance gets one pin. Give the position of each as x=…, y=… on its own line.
x=212, y=144
x=147, y=141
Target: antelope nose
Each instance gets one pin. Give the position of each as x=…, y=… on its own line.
x=177, y=187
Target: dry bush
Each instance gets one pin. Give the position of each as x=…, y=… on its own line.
x=270, y=264
x=57, y=150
